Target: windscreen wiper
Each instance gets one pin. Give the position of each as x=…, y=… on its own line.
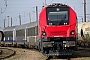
x=62, y=19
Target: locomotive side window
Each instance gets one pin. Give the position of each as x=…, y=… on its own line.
x=57, y=16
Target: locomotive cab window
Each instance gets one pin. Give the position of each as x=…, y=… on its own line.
x=58, y=16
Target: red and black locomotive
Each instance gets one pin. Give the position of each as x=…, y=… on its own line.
x=57, y=30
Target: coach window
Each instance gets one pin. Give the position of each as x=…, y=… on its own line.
x=8, y=35
x=31, y=31
x=36, y=30
x=28, y=32
x=20, y=34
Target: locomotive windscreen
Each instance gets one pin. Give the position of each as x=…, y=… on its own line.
x=57, y=16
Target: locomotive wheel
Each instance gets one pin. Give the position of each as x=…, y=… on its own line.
x=1, y=36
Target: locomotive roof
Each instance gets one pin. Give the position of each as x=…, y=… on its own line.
x=57, y=4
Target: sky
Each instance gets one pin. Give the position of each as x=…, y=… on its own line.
x=15, y=8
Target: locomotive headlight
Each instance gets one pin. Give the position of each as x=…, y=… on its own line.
x=72, y=32
x=43, y=33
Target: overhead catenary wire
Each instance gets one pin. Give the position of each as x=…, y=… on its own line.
x=50, y=1
x=5, y=2
x=3, y=11
x=79, y=7
x=5, y=7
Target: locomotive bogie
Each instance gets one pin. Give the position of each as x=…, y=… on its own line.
x=58, y=46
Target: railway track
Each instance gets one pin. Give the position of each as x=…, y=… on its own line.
x=25, y=54
x=58, y=58
x=6, y=52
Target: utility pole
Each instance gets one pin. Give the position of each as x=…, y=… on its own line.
x=6, y=3
x=43, y=6
x=4, y=23
x=45, y=2
x=24, y=16
x=1, y=10
x=11, y=21
x=84, y=10
x=37, y=20
x=20, y=18
x=37, y=13
x=82, y=20
x=30, y=17
x=8, y=21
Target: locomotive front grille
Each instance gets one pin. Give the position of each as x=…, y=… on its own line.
x=58, y=33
